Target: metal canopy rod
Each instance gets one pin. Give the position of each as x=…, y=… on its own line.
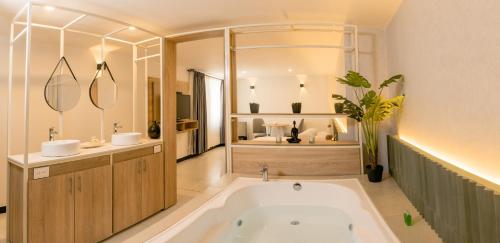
x=115, y=31
x=147, y=57
x=74, y=21
x=291, y=46
x=20, y=12
x=98, y=16
x=146, y=40
x=77, y=31
x=20, y=34
x=206, y=74
x=152, y=46
x=39, y=25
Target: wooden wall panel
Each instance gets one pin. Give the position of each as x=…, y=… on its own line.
x=169, y=122
x=15, y=204
x=287, y=161
x=457, y=207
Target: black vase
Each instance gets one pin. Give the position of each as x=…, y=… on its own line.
x=339, y=107
x=374, y=175
x=254, y=108
x=154, y=130
x=296, y=107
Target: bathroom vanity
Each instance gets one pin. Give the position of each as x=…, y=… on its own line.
x=86, y=197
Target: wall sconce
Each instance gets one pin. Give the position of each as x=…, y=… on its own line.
x=252, y=86
x=302, y=85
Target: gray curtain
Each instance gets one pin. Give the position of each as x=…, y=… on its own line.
x=223, y=123
x=200, y=113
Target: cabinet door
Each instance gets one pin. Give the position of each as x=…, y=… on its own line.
x=51, y=209
x=93, y=215
x=152, y=185
x=126, y=193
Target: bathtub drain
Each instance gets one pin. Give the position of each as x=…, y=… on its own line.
x=350, y=227
x=295, y=222
x=239, y=223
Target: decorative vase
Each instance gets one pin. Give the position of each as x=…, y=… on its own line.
x=154, y=130
x=296, y=107
x=254, y=107
x=339, y=107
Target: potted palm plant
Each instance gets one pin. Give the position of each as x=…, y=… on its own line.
x=369, y=108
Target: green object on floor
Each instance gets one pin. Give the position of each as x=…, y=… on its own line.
x=407, y=218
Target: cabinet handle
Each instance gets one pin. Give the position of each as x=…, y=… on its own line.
x=71, y=185
x=79, y=183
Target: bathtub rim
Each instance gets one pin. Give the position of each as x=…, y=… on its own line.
x=242, y=182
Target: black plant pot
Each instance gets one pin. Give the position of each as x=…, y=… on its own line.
x=339, y=107
x=254, y=108
x=154, y=130
x=374, y=175
x=296, y=107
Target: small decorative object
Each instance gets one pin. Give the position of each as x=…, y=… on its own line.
x=154, y=130
x=312, y=139
x=295, y=135
x=370, y=109
x=254, y=107
x=339, y=107
x=296, y=107
x=407, y=218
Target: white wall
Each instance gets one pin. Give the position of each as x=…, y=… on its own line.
x=449, y=52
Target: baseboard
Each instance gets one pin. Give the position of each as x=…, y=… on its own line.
x=3, y=209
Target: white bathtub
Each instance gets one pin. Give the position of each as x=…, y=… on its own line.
x=250, y=210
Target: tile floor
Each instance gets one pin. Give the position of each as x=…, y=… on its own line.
x=202, y=177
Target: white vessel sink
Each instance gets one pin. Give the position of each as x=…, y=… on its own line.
x=60, y=148
x=127, y=138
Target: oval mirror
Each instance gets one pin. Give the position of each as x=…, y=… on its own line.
x=103, y=89
x=62, y=91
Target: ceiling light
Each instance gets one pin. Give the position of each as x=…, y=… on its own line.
x=49, y=8
x=131, y=28
x=290, y=70
x=243, y=72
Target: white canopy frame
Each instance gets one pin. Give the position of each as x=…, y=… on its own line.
x=27, y=32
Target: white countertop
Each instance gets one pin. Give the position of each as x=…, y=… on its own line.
x=36, y=159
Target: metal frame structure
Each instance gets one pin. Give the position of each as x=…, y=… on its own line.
x=350, y=44
x=27, y=31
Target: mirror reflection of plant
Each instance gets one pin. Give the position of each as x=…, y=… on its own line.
x=370, y=107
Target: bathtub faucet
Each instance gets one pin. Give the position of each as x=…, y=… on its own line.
x=264, y=173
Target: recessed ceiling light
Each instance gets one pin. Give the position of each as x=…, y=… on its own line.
x=290, y=70
x=49, y=8
x=131, y=28
x=243, y=72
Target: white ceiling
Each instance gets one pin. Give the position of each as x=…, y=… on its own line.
x=171, y=16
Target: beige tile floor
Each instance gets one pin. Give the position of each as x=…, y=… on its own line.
x=202, y=177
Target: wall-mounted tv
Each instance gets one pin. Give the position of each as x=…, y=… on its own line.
x=183, y=106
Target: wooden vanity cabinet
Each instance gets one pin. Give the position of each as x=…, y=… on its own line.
x=51, y=215
x=73, y=204
x=138, y=186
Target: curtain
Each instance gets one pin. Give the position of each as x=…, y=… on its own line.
x=214, y=111
x=199, y=113
x=223, y=114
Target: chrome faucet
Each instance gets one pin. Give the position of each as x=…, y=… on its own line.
x=116, y=125
x=265, y=173
x=52, y=133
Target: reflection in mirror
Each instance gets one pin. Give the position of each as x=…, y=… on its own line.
x=103, y=90
x=276, y=78
x=269, y=129
x=62, y=91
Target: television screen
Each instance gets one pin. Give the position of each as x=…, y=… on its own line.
x=183, y=106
